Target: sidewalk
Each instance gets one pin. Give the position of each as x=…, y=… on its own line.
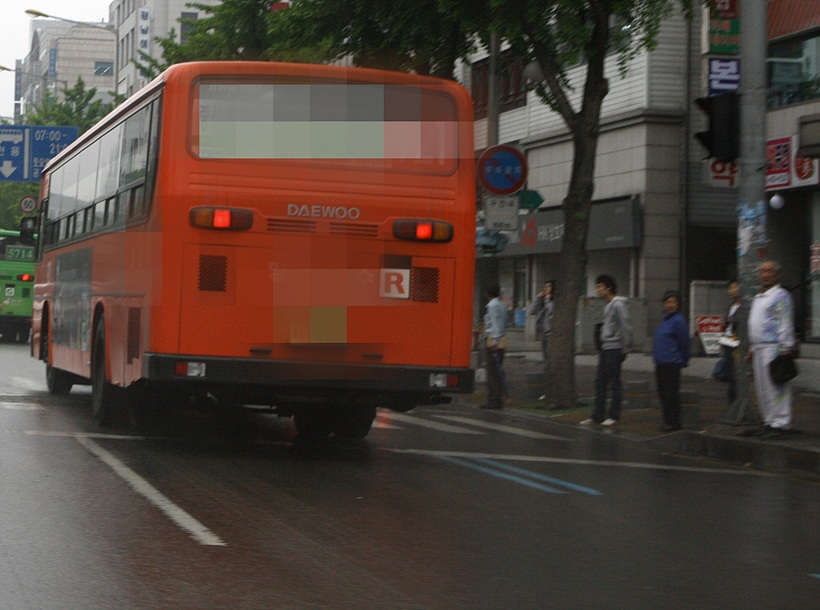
x=704, y=407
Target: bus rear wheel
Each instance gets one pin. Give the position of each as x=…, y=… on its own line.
x=58, y=382
x=355, y=423
x=106, y=398
x=315, y=424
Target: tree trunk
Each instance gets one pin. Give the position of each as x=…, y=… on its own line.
x=572, y=274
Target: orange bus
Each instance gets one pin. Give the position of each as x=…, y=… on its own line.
x=291, y=235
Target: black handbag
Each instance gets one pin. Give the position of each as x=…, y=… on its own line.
x=783, y=369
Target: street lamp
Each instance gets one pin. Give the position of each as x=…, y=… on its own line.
x=108, y=27
x=34, y=75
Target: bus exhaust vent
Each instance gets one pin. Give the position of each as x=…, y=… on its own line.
x=285, y=225
x=354, y=229
x=424, y=284
x=213, y=273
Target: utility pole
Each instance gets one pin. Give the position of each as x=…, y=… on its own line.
x=752, y=204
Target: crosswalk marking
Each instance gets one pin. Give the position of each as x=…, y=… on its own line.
x=426, y=423
x=554, y=460
x=20, y=406
x=500, y=427
x=539, y=477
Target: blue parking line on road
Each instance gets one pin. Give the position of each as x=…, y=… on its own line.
x=815, y=576
x=501, y=475
x=540, y=477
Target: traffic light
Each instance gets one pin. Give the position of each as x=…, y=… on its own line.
x=490, y=242
x=723, y=138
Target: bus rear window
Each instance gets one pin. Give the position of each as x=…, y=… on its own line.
x=326, y=121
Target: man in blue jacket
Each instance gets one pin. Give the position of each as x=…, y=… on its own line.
x=671, y=353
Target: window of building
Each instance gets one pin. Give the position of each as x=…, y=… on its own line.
x=185, y=27
x=103, y=68
x=794, y=70
x=512, y=86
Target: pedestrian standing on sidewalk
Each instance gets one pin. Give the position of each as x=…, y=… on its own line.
x=542, y=308
x=495, y=329
x=771, y=334
x=670, y=350
x=614, y=338
x=729, y=342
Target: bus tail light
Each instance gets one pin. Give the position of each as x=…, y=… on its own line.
x=221, y=218
x=25, y=277
x=422, y=230
x=186, y=368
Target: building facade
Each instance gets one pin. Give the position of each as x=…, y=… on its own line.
x=664, y=216
x=138, y=23
x=60, y=52
x=793, y=222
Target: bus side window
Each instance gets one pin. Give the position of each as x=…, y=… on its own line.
x=136, y=202
x=120, y=209
x=99, y=215
x=88, y=219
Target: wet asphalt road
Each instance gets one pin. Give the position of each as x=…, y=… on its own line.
x=439, y=508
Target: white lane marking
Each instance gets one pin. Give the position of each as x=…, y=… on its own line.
x=198, y=532
x=417, y=421
x=552, y=460
x=381, y=422
x=57, y=433
x=29, y=384
x=20, y=406
x=501, y=427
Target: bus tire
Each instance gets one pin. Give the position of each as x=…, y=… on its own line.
x=314, y=424
x=106, y=398
x=355, y=423
x=58, y=382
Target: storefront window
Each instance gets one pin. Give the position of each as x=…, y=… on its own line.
x=813, y=317
x=794, y=71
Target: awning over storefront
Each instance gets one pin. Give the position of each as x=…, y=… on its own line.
x=612, y=225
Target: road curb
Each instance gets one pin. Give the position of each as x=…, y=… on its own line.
x=767, y=456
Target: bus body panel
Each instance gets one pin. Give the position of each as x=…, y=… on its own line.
x=277, y=299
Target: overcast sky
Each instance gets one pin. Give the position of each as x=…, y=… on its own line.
x=15, y=27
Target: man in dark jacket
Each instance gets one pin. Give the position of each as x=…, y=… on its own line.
x=671, y=353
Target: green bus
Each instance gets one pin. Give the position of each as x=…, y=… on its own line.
x=17, y=282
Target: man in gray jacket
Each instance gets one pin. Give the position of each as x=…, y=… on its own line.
x=614, y=341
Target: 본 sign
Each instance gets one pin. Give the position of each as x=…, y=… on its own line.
x=710, y=329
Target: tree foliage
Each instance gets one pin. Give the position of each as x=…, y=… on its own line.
x=417, y=36
x=10, y=195
x=78, y=108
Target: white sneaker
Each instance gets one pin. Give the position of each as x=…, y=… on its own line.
x=587, y=422
x=542, y=397
x=609, y=422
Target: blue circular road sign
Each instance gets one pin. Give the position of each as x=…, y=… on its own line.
x=502, y=169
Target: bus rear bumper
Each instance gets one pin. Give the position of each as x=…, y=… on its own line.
x=294, y=381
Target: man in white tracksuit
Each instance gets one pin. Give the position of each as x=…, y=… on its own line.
x=771, y=333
